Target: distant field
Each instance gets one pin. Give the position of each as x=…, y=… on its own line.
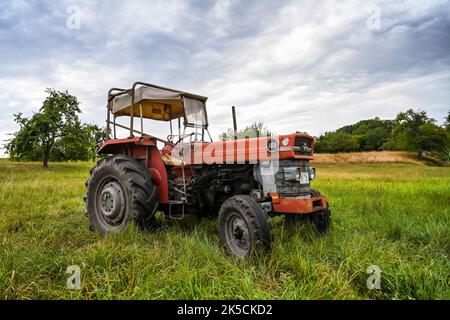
x=394, y=215
x=367, y=157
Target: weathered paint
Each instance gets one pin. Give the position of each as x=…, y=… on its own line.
x=142, y=149
x=242, y=150
x=293, y=205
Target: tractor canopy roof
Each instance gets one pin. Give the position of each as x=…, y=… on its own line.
x=158, y=103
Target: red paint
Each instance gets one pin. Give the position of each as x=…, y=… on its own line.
x=245, y=150
x=239, y=151
x=291, y=205
x=142, y=149
x=119, y=144
x=159, y=174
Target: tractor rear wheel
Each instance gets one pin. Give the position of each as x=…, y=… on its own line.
x=119, y=191
x=243, y=226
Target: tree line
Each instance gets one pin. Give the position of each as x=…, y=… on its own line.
x=412, y=130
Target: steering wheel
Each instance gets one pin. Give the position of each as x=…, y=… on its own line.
x=182, y=136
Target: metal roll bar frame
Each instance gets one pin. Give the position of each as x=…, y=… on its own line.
x=132, y=92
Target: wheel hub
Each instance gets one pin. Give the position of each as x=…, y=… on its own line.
x=240, y=233
x=112, y=200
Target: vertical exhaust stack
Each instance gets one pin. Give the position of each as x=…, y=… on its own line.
x=235, y=132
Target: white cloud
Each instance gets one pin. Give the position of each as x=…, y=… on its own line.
x=18, y=94
x=89, y=81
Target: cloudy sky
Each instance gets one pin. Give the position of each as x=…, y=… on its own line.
x=296, y=65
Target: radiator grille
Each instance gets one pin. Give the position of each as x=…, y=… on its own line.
x=291, y=188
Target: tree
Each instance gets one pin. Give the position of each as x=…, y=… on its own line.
x=389, y=145
x=37, y=136
x=447, y=122
x=254, y=130
x=336, y=142
x=375, y=138
x=371, y=134
x=416, y=131
x=24, y=144
x=80, y=142
x=96, y=136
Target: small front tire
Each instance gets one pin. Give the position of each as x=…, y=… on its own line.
x=321, y=221
x=243, y=226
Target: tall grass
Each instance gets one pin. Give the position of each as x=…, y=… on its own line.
x=394, y=216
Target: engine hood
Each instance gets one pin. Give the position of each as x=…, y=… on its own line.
x=294, y=146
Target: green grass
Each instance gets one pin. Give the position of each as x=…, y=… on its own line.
x=394, y=216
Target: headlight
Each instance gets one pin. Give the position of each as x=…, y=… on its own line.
x=297, y=174
x=285, y=141
x=273, y=145
x=312, y=173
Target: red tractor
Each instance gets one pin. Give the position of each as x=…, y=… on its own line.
x=242, y=181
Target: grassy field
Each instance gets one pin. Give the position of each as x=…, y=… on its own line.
x=395, y=216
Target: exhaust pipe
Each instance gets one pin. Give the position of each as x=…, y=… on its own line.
x=235, y=132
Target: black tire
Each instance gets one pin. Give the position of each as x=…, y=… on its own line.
x=243, y=226
x=119, y=191
x=293, y=219
x=321, y=221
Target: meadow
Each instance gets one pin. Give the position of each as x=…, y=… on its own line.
x=392, y=215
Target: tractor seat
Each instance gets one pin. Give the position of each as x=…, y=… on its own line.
x=169, y=160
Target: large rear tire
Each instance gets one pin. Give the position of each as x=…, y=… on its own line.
x=119, y=191
x=243, y=226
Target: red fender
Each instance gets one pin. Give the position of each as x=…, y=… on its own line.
x=142, y=149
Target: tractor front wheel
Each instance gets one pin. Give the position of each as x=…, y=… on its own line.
x=243, y=226
x=321, y=221
x=119, y=190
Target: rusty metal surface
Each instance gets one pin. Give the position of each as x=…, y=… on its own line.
x=292, y=205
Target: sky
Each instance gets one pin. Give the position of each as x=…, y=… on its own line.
x=309, y=66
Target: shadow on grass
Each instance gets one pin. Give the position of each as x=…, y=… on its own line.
x=188, y=224
x=288, y=232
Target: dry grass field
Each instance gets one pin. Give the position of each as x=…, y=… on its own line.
x=367, y=157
